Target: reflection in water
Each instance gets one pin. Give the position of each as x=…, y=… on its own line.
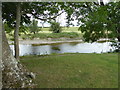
x=73, y=44
x=55, y=48
x=64, y=48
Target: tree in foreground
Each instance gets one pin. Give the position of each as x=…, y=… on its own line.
x=97, y=20
x=101, y=21
x=14, y=75
x=17, y=14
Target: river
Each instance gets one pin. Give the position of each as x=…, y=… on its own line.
x=73, y=47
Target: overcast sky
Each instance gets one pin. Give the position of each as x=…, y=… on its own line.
x=61, y=19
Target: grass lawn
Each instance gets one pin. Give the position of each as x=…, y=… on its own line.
x=74, y=70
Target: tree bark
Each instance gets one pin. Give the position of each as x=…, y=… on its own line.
x=0, y=45
x=118, y=39
x=14, y=75
x=16, y=32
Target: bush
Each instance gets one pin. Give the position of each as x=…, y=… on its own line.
x=55, y=27
x=34, y=27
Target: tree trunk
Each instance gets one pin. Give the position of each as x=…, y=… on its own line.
x=16, y=32
x=118, y=34
x=118, y=39
x=14, y=75
x=0, y=45
x=34, y=32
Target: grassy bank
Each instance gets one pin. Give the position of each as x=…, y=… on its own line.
x=74, y=70
x=52, y=35
x=71, y=32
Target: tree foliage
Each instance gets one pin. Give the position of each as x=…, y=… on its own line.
x=97, y=21
x=101, y=22
x=34, y=27
x=55, y=27
x=7, y=28
x=17, y=14
x=23, y=29
x=44, y=11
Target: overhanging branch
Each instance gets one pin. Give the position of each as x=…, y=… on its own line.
x=44, y=19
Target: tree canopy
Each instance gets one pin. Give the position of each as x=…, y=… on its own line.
x=97, y=21
x=39, y=10
x=34, y=27
x=101, y=22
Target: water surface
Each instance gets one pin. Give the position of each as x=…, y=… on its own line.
x=64, y=48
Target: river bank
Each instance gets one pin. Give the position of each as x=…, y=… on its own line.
x=52, y=41
x=46, y=41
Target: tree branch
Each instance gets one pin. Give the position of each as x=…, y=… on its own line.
x=44, y=19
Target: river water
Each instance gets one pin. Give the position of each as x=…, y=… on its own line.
x=64, y=48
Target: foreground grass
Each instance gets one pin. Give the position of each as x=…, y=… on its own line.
x=74, y=70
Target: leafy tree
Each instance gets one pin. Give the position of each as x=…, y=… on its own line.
x=23, y=29
x=34, y=27
x=100, y=21
x=55, y=27
x=7, y=28
x=14, y=75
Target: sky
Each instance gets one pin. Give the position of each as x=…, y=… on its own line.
x=61, y=19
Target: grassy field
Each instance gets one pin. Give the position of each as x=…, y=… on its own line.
x=64, y=29
x=71, y=32
x=52, y=35
x=74, y=70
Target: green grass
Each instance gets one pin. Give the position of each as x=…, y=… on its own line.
x=71, y=32
x=74, y=70
x=64, y=29
x=52, y=35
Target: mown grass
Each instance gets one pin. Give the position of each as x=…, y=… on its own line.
x=64, y=29
x=74, y=70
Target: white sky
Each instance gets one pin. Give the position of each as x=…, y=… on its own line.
x=61, y=19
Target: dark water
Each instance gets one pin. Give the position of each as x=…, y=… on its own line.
x=64, y=48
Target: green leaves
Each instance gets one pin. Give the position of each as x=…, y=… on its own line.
x=33, y=27
x=101, y=21
x=55, y=27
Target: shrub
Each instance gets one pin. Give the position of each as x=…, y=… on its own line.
x=33, y=27
x=55, y=27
